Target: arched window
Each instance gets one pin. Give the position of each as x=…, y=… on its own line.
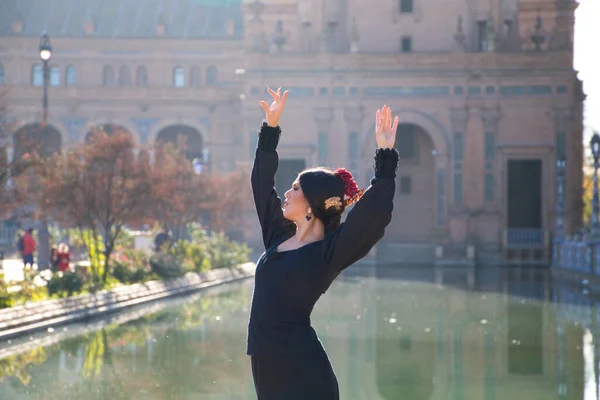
x=178, y=77
x=141, y=76
x=54, y=76
x=211, y=76
x=70, y=75
x=37, y=75
x=1, y=74
x=124, y=76
x=196, y=76
x=108, y=76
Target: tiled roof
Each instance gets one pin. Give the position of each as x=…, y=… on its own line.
x=183, y=19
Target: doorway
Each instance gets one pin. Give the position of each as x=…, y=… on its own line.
x=524, y=194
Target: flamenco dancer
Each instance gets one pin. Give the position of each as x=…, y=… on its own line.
x=306, y=248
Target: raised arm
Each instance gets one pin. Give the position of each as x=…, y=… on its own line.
x=366, y=222
x=266, y=200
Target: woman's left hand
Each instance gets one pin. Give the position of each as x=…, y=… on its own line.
x=385, y=131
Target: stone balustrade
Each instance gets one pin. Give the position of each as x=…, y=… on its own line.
x=31, y=317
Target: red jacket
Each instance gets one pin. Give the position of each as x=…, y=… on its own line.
x=29, y=244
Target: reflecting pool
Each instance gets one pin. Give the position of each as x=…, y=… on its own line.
x=391, y=333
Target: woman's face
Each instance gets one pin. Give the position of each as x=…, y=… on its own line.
x=295, y=205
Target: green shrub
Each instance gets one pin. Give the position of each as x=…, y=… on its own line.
x=131, y=266
x=165, y=266
x=224, y=252
x=65, y=284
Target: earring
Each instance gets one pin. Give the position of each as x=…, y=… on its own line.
x=308, y=216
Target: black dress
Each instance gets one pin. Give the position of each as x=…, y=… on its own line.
x=288, y=360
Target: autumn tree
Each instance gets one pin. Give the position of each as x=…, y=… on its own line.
x=15, y=181
x=98, y=188
x=180, y=196
x=233, y=193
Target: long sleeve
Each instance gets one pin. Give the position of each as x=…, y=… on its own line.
x=266, y=200
x=366, y=222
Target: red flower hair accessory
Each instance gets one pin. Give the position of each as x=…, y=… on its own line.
x=351, y=189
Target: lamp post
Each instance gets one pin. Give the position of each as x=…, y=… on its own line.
x=43, y=235
x=595, y=147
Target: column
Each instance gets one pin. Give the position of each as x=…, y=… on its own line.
x=440, y=165
x=490, y=118
x=323, y=117
x=562, y=120
x=144, y=125
x=252, y=120
x=354, y=118
x=458, y=120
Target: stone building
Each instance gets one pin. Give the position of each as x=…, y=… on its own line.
x=490, y=107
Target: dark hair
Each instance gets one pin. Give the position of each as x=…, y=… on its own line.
x=319, y=184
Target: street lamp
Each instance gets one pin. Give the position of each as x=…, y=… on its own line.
x=595, y=146
x=43, y=235
x=45, y=55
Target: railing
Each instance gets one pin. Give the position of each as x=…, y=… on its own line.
x=577, y=255
x=518, y=238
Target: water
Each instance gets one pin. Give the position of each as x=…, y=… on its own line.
x=507, y=334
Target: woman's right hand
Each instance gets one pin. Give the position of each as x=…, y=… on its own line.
x=273, y=112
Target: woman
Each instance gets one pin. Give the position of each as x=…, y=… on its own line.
x=305, y=250
x=64, y=257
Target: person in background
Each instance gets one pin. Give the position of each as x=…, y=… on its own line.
x=64, y=257
x=29, y=247
x=162, y=240
x=54, y=258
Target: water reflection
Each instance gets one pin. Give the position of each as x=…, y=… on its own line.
x=397, y=334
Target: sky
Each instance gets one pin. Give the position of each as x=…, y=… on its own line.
x=587, y=61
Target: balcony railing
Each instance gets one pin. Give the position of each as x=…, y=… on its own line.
x=519, y=238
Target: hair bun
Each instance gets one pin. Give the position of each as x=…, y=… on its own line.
x=350, y=185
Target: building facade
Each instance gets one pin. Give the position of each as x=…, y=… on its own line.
x=490, y=108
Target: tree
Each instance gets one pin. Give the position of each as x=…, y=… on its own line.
x=97, y=187
x=181, y=197
x=20, y=181
x=588, y=192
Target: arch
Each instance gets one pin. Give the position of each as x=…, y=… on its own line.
x=108, y=76
x=184, y=137
x=196, y=76
x=1, y=73
x=163, y=124
x=109, y=128
x=141, y=76
x=54, y=76
x=46, y=140
x=37, y=75
x=211, y=76
x=70, y=75
x=124, y=76
x=178, y=77
x=434, y=129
